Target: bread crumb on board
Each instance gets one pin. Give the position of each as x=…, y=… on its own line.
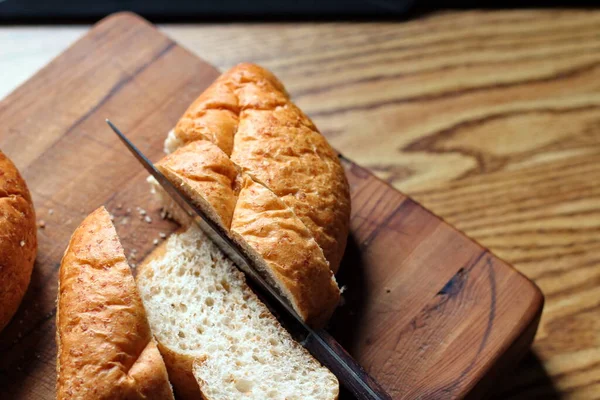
x=50, y=211
x=148, y=219
x=41, y=224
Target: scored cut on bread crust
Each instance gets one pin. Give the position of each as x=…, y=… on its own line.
x=218, y=339
x=282, y=149
x=248, y=114
x=285, y=252
x=214, y=115
x=105, y=347
x=202, y=167
x=18, y=239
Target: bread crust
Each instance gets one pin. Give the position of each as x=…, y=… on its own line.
x=214, y=115
x=248, y=114
x=180, y=368
x=18, y=239
x=105, y=347
x=282, y=149
x=276, y=239
x=261, y=223
x=202, y=167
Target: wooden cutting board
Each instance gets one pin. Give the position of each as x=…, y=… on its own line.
x=428, y=312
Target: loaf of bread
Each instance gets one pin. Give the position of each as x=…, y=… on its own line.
x=265, y=227
x=18, y=239
x=105, y=347
x=218, y=340
x=247, y=113
x=270, y=179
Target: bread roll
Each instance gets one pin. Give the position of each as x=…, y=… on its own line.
x=248, y=115
x=18, y=239
x=105, y=348
x=218, y=340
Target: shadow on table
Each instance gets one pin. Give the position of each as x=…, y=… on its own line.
x=349, y=316
x=529, y=380
x=27, y=342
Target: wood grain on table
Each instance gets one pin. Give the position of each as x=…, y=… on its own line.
x=500, y=135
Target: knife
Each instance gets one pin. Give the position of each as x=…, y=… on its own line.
x=317, y=341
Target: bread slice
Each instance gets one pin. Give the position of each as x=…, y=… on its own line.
x=105, y=347
x=217, y=338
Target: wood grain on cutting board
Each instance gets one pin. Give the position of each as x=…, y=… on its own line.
x=428, y=312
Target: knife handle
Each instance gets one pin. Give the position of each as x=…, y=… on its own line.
x=350, y=374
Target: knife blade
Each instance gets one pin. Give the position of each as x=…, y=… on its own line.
x=318, y=342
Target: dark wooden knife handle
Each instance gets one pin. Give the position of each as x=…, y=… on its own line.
x=350, y=374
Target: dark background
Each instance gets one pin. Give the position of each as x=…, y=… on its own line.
x=53, y=11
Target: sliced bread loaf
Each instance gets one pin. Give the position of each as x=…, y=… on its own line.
x=215, y=335
x=18, y=239
x=281, y=246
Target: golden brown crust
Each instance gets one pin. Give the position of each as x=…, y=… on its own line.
x=278, y=145
x=180, y=367
x=105, y=348
x=216, y=126
x=18, y=239
x=186, y=384
x=276, y=238
x=282, y=149
x=214, y=115
x=149, y=375
x=201, y=167
x=261, y=223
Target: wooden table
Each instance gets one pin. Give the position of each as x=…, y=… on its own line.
x=500, y=117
